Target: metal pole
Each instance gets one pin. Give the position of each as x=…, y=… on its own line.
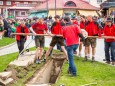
x=55, y=7
x=47, y=7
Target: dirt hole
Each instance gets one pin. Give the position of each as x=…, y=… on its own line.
x=49, y=73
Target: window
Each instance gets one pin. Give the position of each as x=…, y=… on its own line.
x=8, y=3
x=99, y=1
x=34, y=2
x=23, y=13
x=70, y=3
x=25, y=2
x=1, y=2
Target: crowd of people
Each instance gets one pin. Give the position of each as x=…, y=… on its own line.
x=67, y=33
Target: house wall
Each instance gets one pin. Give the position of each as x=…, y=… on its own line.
x=4, y=5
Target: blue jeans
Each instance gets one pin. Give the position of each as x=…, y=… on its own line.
x=70, y=52
x=110, y=50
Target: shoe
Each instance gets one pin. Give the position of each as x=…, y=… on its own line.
x=85, y=59
x=44, y=60
x=113, y=63
x=72, y=75
x=38, y=61
x=93, y=59
x=69, y=72
x=108, y=62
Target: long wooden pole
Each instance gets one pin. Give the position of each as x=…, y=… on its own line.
x=30, y=34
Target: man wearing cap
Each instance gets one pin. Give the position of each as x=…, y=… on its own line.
x=72, y=43
x=56, y=29
x=109, y=30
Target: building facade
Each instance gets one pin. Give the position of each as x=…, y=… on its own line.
x=17, y=7
x=108, y=8
x=64, y=8
x=96, y=3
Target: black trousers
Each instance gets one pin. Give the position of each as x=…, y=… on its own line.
x=21, y=45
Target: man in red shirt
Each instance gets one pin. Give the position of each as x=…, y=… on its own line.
x=39, y=28
x=92, y=30
x=56, y=29
x=20, y=38
x=109, y=30
x=72, y=42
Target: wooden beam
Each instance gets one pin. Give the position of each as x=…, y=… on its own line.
x=30, y=34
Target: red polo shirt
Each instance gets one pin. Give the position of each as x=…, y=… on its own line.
x=82, y=25
x=57, y=29
x=109, y=31
x=18, y=30
x=75, y=22
x=70, y=33
x=92, y=28
x=39, y=28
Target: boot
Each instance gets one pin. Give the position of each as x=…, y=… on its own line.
x=85, y=59
x=108, y=62
x=93, y=59
x=113, y=63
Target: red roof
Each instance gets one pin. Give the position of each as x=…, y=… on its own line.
x=61, y=5
x=26, y=0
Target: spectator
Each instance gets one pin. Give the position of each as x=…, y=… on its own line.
x=20, y=38
x=109, y=30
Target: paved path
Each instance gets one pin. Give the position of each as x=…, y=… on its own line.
x=99, y=49
x=14, y=47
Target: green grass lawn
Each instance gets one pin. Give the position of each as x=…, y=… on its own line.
x=6, y=59
x=102, y=74
x=6, y=41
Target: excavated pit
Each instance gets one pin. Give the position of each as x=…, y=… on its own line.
x=48, y=74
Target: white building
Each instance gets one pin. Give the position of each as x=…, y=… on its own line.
x=95, y=2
